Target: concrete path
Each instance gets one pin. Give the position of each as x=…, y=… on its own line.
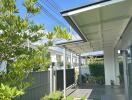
x=81, y=93
x=113, y=97
x=99, y=92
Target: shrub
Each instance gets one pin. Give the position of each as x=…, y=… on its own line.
x=8, y=93
x=96, y=69
x=73, y=98
x=54, y=96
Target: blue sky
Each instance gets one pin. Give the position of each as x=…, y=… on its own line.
x=50, y=15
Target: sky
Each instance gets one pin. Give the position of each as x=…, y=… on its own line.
x=50, y=14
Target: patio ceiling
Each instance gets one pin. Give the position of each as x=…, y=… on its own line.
x=100, y=24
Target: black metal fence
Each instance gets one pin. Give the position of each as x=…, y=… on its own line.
x=41, y=83
x=70, y=78
x=39, y=88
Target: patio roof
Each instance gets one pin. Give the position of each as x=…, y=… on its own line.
x=100, y=24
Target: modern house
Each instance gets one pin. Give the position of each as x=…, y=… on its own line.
x=57, y=57
x=104, y=26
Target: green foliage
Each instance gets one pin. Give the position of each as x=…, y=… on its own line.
x=96, y=69
x=8, y=93
x=54, y=96
x=96, y=66
x=41, y=59
x=59, y=96
x=13, y=39
x=15, y=30
x=68, y=65
x=73, y=98
x=16, y=33
x=30, y=5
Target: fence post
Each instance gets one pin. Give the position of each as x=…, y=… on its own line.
x=54, y=78
x=51, y=79
x=71, y=60
x=64, y=73
x=80, y=74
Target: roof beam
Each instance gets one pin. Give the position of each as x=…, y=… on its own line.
x=90, y=7
x=75, y=27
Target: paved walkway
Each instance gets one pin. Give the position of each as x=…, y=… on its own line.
x=80, y=92
x=99, y=92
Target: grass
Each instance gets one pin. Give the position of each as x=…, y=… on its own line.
x=59, y=96
x=72, y=98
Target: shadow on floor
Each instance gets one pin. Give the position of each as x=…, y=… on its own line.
x=105, y=92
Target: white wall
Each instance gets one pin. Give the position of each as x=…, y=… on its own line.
x=54, y=54
x=53, y=57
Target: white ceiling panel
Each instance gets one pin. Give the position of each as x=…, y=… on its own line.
x=116, y=10
x=101, y=26
x=86, y=17
x=91, y=29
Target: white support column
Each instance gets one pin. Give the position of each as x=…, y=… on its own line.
x=86, y=64
x=79, y=65
x=125, y=75
x=109, y=63
x=64, y=73
x=55, y=78
x=130, y=75
x=117, y=72
x=71, y=60
x=86, y=61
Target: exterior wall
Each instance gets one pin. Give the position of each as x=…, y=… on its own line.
x=54, y=59
x=109, y=64
x=123, y=44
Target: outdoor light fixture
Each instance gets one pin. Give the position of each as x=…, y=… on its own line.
x=119, y=52
x=90, y=7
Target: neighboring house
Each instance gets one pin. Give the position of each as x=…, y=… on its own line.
x=57, y=57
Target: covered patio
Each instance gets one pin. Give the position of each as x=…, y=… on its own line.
x=103, y=26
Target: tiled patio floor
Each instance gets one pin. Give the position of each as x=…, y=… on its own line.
x=99, y=92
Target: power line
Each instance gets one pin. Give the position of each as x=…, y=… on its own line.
x=49, y=6
x=54, y=5
x=44, y=10
x=74, y=34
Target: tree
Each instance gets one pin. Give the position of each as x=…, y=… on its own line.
x=15, y=33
